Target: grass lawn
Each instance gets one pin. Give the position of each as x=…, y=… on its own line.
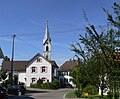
x=73, y=95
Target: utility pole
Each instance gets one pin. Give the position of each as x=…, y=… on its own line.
x=11, y=78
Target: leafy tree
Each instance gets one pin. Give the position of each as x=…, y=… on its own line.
x=77, y=79
x=97, y=51
x=6, y=58
x=114, y=75
x=3, y=75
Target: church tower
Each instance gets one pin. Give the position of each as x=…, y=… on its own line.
x=47, y=43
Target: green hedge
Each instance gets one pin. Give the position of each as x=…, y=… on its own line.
x=34, y=86
x=47, y=85
x=55, y=84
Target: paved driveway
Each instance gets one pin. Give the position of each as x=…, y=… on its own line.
x=43, y=94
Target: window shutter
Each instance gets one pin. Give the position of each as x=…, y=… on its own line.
x=30, y=69
x=46, y=69
x=36, y=79
x=36, y=69
x=41, y=69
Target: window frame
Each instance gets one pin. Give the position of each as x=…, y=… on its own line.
x=39, y=60
x=43, y=79
x=33, y=80
x=43, y=69
x=33, y=69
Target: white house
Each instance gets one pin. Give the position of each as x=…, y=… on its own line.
x=38, y=67
x=64, y=77
x=19, y=68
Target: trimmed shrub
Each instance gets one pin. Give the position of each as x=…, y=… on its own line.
x=45, y=86
x=55, y=84
x=33, y=85
x=39, y=82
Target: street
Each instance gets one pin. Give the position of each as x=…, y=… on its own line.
x=34, y=93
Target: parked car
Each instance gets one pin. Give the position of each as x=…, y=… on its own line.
x=3, y=92
x=17, y=90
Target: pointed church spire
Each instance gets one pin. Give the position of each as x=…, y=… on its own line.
x=47, y=36
x=47, y=43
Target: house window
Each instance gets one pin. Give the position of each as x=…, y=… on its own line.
x=39, y=60
x=44, y=69
x=43, y=79
x=65, y=73
x=33, y=80
x=34, y=69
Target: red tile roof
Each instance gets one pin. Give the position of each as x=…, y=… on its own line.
x=19, y=66
x=68, y=65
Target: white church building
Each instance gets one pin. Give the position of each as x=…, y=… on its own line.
x=38, y=67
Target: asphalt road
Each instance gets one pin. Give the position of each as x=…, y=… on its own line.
x=42, y=94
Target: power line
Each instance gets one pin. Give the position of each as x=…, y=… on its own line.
x=27, y=43
x=6, y=35
x=19, y=38
x=28, y=34
x=60, y=31
x=38, y=48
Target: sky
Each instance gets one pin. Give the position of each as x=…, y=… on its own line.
x=27, y=20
